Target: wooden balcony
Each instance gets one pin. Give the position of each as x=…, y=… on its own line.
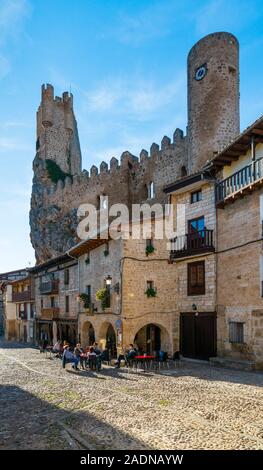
x=49, y=287
x=192, y=244
x=49, y=313
x=25, y=296
x=240, y=183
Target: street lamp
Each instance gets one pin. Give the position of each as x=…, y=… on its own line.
x=108, y=280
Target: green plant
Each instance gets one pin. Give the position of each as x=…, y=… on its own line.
x=85, y=299
x=149, y=249
x=150, y=292
x=103, y=296
x=54, y=171
x=87, y=260
x=106, y=252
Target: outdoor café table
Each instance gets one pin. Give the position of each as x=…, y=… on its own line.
x=49, y=350
x=144, y=360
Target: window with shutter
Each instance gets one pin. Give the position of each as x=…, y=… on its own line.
x=196, y=278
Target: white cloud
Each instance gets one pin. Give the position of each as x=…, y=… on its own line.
x=154, y=21
x=224, y=15
x=134, y=98
x=7, y=144
x=12, y=16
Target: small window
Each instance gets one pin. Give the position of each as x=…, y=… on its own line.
x=236, y=332
x=196, y=278
x=52, y=302
x=151, y=191
x=196, y=196
x=66, y=277
x=42, y=303
x=67, y=304
x=150, y=285
x=88, y=290
x=183, y=171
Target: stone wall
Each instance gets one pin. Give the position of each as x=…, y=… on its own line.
x=239, y=278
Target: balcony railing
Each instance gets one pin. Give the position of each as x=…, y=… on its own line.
x=192, y=243
x=239, y=180
x=49, y=313
x=49, y=287
x=25, y=296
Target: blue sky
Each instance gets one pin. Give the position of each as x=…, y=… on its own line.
x=125, y=62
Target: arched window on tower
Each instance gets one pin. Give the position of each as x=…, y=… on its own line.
x=151, y=190
x=183, y=171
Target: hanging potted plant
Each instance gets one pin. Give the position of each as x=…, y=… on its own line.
x=151, y=292
x=149, y=249
x=85, y=298
x=103, y=296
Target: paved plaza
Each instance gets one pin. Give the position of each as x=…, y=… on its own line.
x=190, y=406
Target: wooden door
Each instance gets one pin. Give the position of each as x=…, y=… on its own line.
x=198, y=335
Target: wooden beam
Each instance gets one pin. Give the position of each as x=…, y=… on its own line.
x=257, y=131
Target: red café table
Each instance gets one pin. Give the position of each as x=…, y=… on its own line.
x=144, y=359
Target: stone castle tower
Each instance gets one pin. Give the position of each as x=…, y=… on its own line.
x=213, y=96
x=59, y=184
x=57, y=133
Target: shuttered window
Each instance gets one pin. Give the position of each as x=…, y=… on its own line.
x=236, y=332
x=196, y=278
x=66, y=277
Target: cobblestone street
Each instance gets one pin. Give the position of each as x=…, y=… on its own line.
x=192, y=406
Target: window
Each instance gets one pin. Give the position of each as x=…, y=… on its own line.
x=196, y=278
x=183, y=171
x=52, y=302
x=150, y=285
x=196, y=196
x=42, y=303
x=67, y=304
x=151, y=191
x=236, y=332
x=66, y=277
x=88, y=291
x=196, y=225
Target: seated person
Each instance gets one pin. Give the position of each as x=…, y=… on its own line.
x=96, y=349
x=68, y=356
x=78, y=351
x=127, y=354
x=56, y=348
x=92, y=358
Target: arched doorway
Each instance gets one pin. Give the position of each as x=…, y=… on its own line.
x=152, y=338
x=88, y=334
x=108, y=338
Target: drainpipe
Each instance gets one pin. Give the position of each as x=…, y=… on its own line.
x=78, y=287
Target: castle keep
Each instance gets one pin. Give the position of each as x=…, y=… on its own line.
x=58, y=190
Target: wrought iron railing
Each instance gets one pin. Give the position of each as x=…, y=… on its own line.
x=242, y=178
x=49, y=287
x=192, y=243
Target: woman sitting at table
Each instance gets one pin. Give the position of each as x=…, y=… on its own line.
x=78, y=351
x=128, y=355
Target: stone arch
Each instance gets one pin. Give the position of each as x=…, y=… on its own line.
x=108, y=338
x=87, y=334
x=151, y=337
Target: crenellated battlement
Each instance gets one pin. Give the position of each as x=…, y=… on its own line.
x=89, y=181
x=60, y=186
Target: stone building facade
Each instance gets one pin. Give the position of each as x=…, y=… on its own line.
x=56, y=288
x=205, y=285
x=239, y=202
